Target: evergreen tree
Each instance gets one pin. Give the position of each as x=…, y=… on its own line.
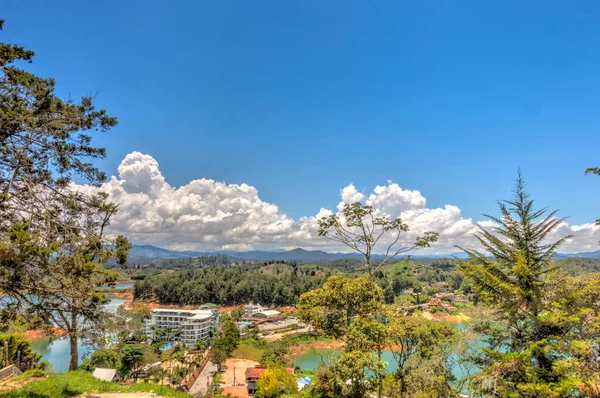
x=52, y=241
x=529, y=341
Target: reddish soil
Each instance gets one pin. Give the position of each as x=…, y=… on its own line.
x=123, y=295
x=231, y=308
x=37, y=333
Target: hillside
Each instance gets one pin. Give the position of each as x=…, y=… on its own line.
x=71, y=384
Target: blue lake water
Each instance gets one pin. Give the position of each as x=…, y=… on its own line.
x=56, y=351
x=311, y=360
x=124, y=285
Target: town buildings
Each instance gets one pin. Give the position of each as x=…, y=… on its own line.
x=186, y=326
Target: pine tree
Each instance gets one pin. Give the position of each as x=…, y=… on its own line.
x=529, y=339
x=52, y=240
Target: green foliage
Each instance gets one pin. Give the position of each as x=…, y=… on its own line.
x=132, y=360
x=52, y=236
x=76, y=383
x=275, y=382
x=276, y=353
x=105, y=358
x=17, y=351
x=422, y=349
x=250, y=348
x=332, y=307
x=533, y=346
x=223, y=345
x=226, y=286
x=219, y=352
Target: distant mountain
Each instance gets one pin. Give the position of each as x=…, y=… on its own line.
x=595, y=254
x=148, y=253
x=153, y=252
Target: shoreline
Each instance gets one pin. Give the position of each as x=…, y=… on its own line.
x=34, y=334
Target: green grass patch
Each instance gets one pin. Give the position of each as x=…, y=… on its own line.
x=304, y=373
x=71, y=384
x=249, y=349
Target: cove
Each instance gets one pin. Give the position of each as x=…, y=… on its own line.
x=56, y=351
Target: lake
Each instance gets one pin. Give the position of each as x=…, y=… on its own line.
x=123, y=285
x=56, y=351
x=311, y=359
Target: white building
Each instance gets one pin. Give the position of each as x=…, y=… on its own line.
x=251, y=309
x=267, y=314
x=187, y=326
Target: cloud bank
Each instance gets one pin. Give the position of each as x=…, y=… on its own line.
x=211, y=215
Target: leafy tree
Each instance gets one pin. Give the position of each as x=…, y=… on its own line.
x=276, y=353
x=219, y=351
x=252, y=331
x=132, y=360
x=201, y=346
x=540, y=328
x=417, y=290
x=332, y=307
x=275, y=382
x=230, y=335
x=326, y=383
x=51, y=235
x=105, y=358
x=388, y=295
x=422, y=349
x=17, y=351
x=361, y=228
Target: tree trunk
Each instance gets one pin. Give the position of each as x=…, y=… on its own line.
x=74, y=357
x=379, y=379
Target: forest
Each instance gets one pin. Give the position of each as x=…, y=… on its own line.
x=226, y=286
x=192, y=284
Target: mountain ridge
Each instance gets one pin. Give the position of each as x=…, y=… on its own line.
x=148, y=253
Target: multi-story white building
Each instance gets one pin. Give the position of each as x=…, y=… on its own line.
x=186, y=326
x=251, y=309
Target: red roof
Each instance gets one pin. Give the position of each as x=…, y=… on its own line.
x=256, y=372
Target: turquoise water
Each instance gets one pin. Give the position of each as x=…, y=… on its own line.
x=56, y=351
x=123, y=285
x=311, y=359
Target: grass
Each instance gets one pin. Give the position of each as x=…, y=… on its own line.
x=71, y=384
x=304, y=373
x=249, y=349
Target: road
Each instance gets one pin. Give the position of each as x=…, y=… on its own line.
x=200, y=385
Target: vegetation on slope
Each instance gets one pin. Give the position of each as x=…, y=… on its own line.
x=71, y=384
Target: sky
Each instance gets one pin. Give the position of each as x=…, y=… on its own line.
x=284, y=109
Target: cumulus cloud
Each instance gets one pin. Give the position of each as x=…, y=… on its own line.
x=208, y=215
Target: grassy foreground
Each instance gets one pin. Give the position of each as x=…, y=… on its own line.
x=71, y=384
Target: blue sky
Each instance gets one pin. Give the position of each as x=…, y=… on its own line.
x=301, y=98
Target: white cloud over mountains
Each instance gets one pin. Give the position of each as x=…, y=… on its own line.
x=210, y=215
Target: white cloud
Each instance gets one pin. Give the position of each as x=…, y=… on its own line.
x=207, y=215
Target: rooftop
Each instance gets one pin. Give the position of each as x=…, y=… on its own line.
x=176, y=311
x=104, y=374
